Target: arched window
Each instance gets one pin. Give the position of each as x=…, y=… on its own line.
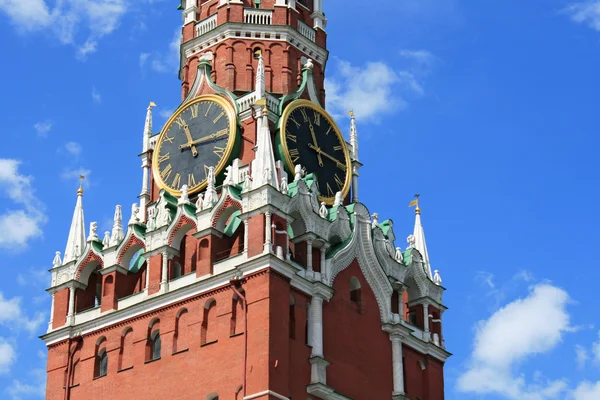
x=237, y=310
x=98, y=294
x=75, y=377
x=292, y=317
x=101, y=359
x=176, y=270
x=155, y=345
x=209, y=320
x=180, y=338
x=126, y=350
x=212, y=396
x=355, y=292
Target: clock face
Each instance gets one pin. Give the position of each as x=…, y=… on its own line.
x=200, y=134
x=310, y=137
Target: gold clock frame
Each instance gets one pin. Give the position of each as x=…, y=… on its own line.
x=286, y=154
x=231, y=114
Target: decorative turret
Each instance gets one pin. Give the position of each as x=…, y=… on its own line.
x=76, y=240
x=260, y=79
x=419, y=237
x=117, y=230
x=263, y=166
x=354, y=156
x=145, y=194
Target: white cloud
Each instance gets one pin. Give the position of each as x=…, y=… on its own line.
x=19, y=226
x=143, y=58
x=420, y=56
x=587, y=12
x=167, y=61
x=42, y=128
x=371, y=91
x=587, y=391
x=166, y=113
x=34, y=387
x=73, y=148
x=581, y=356
x=7, y=356
x=521, y=329
x=96, y=96
x=67, y=18
x=596, y=350
x=12, y=316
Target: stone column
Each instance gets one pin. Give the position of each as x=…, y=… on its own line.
x=246, y=237
x=426, y=335
x=316, y=325
x=397, y=364
x=309, y=266
x=323, y=270
x=51, y=314
x=164, y=283
x=147, y=275
x=267, y=232
x=401, y=303
x=71, y=312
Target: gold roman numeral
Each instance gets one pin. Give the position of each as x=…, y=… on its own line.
x=340, y=165
x=169, y=139
x=208, y=109
x=338, y=181
x=165, y=173
x=317, y=119
x=176, y=181
x=330, y=191
x=337, y=148
x=291, y=137
x=304, y=114
x=194, y=110
x=191, y=180
x=218, y=117
x=164, y=157
x=180, y=122
x=294, y=121
x=220, y=151
x=327, y=133
x=295, y=155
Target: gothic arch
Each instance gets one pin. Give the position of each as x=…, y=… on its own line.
x=180, y=229
x=131, y=245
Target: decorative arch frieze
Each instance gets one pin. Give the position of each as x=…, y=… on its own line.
x=88, y=262
x=360, y=247
x=128, y=247
x=385, y=251
x=340, y=228
x=183, y=224
x=223, y=208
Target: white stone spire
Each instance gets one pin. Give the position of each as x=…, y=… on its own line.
x=145, y=194
x=263, y=166
x=76, y=241
x=117, y=230
x=354, y=156
x=260, y=79
x=419, y=238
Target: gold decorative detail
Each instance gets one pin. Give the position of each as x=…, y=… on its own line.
x=329, y=200
x=80, y=190
x=152, y=104
x=415, y=203
x=232, y=132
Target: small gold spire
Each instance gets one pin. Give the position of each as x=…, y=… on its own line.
x=351, y=113
x=152, y=104
x=80, y=190
x=415, y=203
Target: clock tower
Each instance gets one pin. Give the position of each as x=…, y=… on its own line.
x=248, y=268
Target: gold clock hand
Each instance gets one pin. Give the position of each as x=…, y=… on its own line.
x=220, y=133
x=319, y=151
x=190, y=142
x=314, y=138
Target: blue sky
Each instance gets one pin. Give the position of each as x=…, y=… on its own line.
x=487, y=108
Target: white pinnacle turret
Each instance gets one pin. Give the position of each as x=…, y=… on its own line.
x=260, y=79
x=145, y=194
x=117, y=230
x=76, y=240
x=263, y=166
x=354, y=156
x=419, y=238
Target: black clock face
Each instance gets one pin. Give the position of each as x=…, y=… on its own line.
x=313, y=141
x=197, y=137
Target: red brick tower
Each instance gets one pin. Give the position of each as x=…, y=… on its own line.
x=248, y=269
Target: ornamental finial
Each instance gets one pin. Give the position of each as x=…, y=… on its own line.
x=80, y=190
x=415, y=203
x=152, y=104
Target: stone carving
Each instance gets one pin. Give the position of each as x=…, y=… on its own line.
x=228, y=176
x=199, y=202
x=184, y=199
x=437, y=279
x=247, y=183
x=398, y=255
x=375, y=218
x=93, y=231
x=117, y=230
x=135, y=211
x=211, y=197
x=298, y=173
x=163, y=215
x=309, y=64
x=338, y=199
x=106, y=240
x=57, y=261
x=151, y=219
x=323, y=210
x=283, y=186
x=411, y=241
x=207, y=56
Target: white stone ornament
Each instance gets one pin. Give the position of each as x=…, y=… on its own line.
x=323, y=210
x=184, y=199
x=106, y=240
x=338, y=199
x=117, y=230
x=375, y=218
x=199, y=202
x=247, y=183
x=93, y=232
x=211, y=197
x=411, y=241
x=228, y=176
x=135, y=211
x=208, y=56
x=309, y=64
x=151, y=219
x=398, y=255
x=163, y=216
x=298, y=173
x=57, y=261
x=283, y=186
x=437, y=279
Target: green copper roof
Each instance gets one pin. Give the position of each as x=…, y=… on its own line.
x=97, y=246
x=335, y=249
x=137, y=262
x=234, y=223
x=386, y=226
x=139, y=230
